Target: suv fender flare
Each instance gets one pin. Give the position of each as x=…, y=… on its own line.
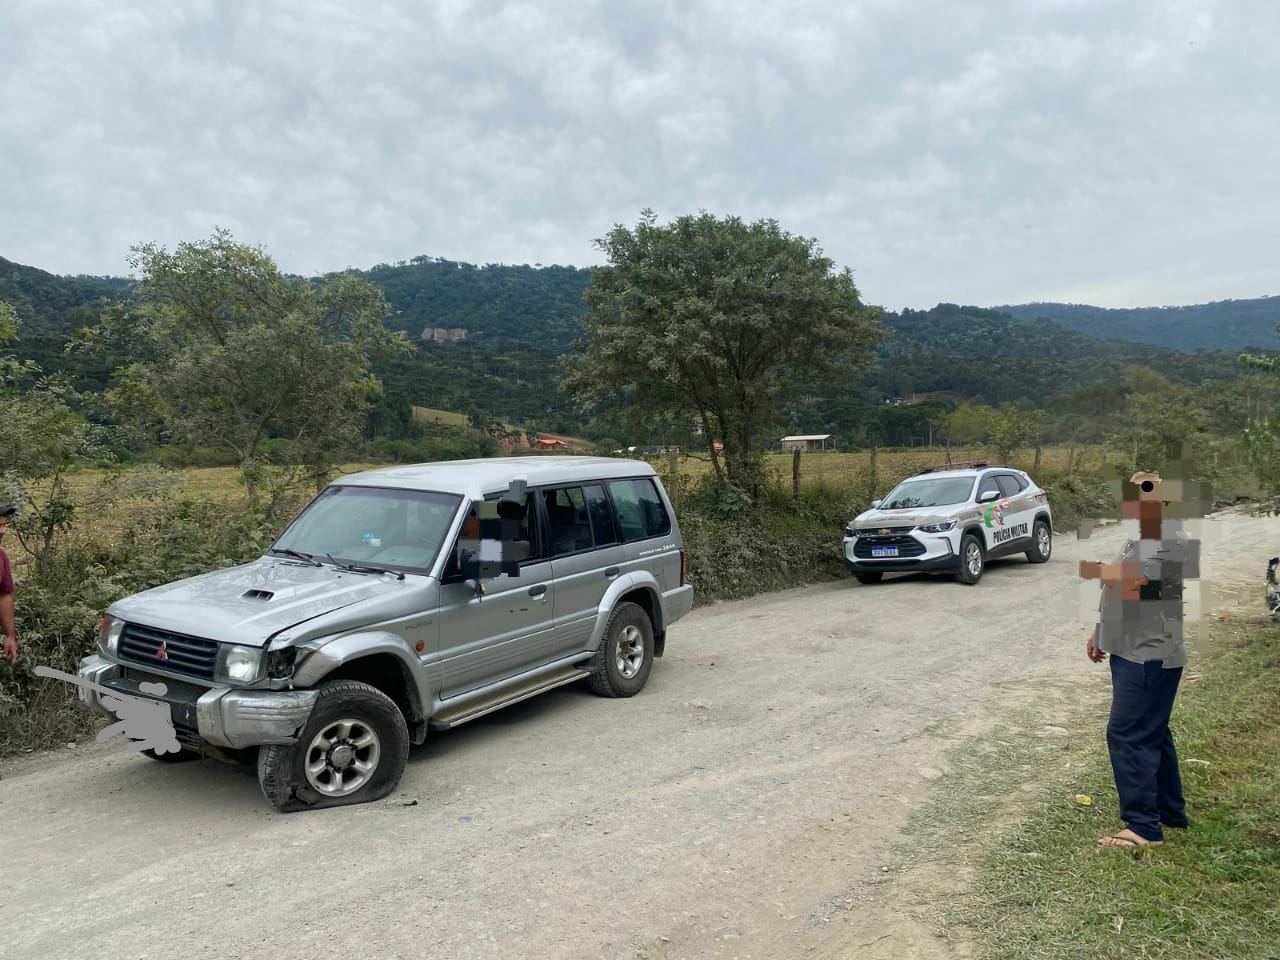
x=350, y=647
x=976, y=530
x=629, y=583
x=1044, y=515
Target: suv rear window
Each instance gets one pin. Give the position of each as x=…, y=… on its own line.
x=641, y=513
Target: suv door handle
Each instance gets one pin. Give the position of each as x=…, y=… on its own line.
x=610, y=572
x=538, y=590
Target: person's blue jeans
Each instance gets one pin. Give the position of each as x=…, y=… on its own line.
x=1142, y=753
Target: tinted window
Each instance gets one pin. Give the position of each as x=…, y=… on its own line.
x=570, y=522
x=601, y=516
x=641, y=513
x=1008, y=484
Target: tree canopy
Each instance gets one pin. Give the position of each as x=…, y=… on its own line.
x=233, y=353
x=714, y=319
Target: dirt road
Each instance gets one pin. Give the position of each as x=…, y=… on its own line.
x=744, y=805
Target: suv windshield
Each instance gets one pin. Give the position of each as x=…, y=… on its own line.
x=398, y=529
x=935, y=492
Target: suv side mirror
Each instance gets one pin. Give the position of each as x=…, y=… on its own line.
x=875, y=503
x=986, y=496
x=516, y=490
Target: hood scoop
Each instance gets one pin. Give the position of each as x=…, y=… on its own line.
x=263, y=595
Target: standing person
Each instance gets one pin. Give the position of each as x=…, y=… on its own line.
x=10, y=649
x=1140, y=625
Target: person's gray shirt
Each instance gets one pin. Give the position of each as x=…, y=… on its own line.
x=1151, y=628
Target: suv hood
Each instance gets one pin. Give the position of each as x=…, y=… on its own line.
x=251, y=603
x=905, y=518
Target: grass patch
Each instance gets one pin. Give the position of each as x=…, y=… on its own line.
x=1045, y=891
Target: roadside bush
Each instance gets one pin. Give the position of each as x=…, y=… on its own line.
x=59, y=608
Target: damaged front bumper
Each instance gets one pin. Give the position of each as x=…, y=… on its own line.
x=221, y=715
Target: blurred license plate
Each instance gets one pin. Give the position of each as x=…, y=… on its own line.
x=884, y=551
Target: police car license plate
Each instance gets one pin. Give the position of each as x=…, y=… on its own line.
x=884, y=551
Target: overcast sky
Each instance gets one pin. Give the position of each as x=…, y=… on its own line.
x=1114, y=153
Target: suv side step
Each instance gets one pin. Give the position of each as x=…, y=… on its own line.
x=506, y=696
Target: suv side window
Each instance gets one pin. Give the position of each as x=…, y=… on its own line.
x=987, y=484
x=1009, y=485
x=485, y=519
x=569, y=519
x=641, y=513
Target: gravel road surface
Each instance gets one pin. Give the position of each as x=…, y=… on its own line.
x=744, y=805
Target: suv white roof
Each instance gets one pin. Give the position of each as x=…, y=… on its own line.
x=477, y=477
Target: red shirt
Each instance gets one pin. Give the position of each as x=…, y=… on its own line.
x=6, y=575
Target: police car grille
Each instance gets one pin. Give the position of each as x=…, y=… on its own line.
x=194, y=656
x=907, y=546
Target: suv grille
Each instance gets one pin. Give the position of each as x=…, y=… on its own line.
x=907, y=546
x=889, y=531
x=194, y=656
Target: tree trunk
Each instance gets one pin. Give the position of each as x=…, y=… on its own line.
x=1036, y=468
x=873, y=481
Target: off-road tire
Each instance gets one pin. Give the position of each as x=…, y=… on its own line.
x=874, y=576
x=1035, y=555
x=969, y=543
x=182, y=756
x=281, y=767
x=627, y=624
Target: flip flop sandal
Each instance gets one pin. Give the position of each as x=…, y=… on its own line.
x=1128, y=842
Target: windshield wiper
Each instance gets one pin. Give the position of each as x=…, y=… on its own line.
x=362, y=568
x=299, y=555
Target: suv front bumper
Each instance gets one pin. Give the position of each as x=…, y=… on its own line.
x=224, y=716
x=923, y=552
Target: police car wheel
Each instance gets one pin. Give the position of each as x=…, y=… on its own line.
x=1043, y=548
x=972, y=561
x=874, y=576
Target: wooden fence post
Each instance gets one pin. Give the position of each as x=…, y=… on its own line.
x=795, y=474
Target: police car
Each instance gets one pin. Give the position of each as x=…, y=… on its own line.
x=951, y=519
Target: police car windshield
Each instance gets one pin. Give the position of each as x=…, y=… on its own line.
x=400, y=530
x=934, y=492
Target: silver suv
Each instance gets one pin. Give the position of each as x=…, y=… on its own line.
x=951, y=519
x=401, y=600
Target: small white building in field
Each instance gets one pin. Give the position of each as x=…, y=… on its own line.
x=810, y=441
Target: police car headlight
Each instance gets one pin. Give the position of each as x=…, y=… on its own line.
x=942, y=527
x=850, y=532
x=238, y=664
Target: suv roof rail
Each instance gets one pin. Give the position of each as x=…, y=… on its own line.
x=961, y=465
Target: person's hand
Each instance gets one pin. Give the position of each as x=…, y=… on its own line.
x=11, y=649
x=1096, y=655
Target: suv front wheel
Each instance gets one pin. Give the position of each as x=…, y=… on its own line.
x=353, y=749
x=972, y=560
x=625, y=655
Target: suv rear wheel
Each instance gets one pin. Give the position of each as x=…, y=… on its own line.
x=1043, y=547
x=972, y=560
x=625, y=655
x=353, y=749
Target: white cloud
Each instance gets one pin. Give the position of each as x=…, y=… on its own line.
x=1119, y=153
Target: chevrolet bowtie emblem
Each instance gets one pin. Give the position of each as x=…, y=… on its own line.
x=882, y=531
x=162, y=653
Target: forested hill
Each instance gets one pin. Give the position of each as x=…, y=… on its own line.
x=50, y=304
x=495, y=304
x=1224, y=325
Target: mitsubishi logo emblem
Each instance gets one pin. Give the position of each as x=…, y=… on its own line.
x=162, y=653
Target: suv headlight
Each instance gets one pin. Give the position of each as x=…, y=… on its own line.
x=850, y=532
x=940, y=527
x=236, y=664
x=109, y=634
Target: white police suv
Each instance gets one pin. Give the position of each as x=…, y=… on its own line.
x=950, y=519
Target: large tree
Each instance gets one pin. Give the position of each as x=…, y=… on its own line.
x=717, y=319
x=235, y=353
